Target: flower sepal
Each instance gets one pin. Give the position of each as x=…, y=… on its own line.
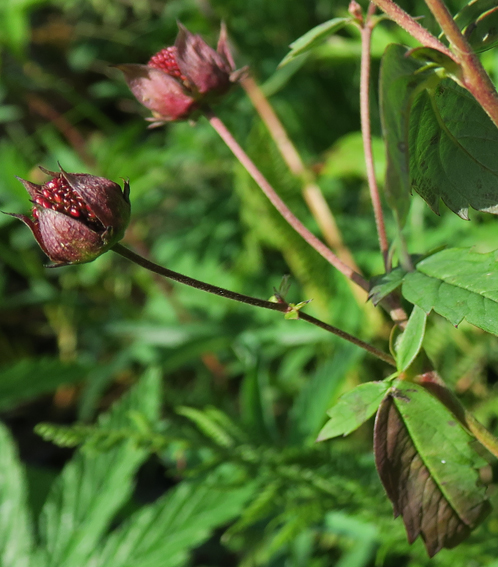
x=76, y=217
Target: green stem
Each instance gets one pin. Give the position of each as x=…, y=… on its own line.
x=282, y=307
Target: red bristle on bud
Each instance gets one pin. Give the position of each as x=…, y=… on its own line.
x=165, y=60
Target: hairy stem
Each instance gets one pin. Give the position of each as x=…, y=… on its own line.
x=366, y=36
x=409, y=24
x=311, y=191
x=475, y=78
x=282, y=307
x=281, y=207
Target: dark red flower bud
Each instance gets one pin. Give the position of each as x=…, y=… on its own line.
x=178, y=79
x=76, y=217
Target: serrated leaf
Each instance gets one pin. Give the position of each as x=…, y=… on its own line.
x=410, y=341
x=428, y=468
x=164, y=532
x=400, y=80
x=383, y=285
x=453, y=149
x=91, y=488
x=314, y=37
x=353, y=409
x=16, y=539
x=457, y=284
x=207, y=425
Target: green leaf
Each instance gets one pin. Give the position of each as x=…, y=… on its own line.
x=410, y=341
x=319, y=393
x=483, y=33
x=428, y=468
x=16, y=540
x=472, y=11
x=383, y=285
x=164, y=532
x=401, y=78
x=30, y=378
x=478, y=21
x=209, y=426
x=257, y=404
x=453, y=149
x=92, y=488
x=314, y=37
x=458, y=284
x=353, y=409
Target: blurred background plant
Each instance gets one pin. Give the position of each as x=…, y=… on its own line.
x=244, y=392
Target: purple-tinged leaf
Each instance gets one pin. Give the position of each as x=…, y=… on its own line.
x=428, y=468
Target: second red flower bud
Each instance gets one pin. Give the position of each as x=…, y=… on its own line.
x=178, y=79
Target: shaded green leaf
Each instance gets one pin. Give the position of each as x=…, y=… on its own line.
x=383, y=285
x=257, y=403
x=164, y=532
x=318, y=394
x=410, y=341
x=16, y=540
x=428, y=468
x=91, y=488
x=479, y=22
x=458, y=284
x=314, y=37
x=353, y=409
x=401, y=78
x=472, y=11
x=209, y=426
x=483, y=33
x=453, y=148
x=29, y=378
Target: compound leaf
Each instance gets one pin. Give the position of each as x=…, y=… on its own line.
x=92, y=487
x=164, y=532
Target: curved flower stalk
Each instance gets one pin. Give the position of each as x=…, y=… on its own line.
x=76, y=217
x=179, y=79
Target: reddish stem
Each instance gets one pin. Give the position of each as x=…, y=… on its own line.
x=409, y=24
x=281, y=207
x=475, y=78
x=366, y=35
x=282, y=307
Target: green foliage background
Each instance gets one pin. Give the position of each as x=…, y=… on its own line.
x=244, y=393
